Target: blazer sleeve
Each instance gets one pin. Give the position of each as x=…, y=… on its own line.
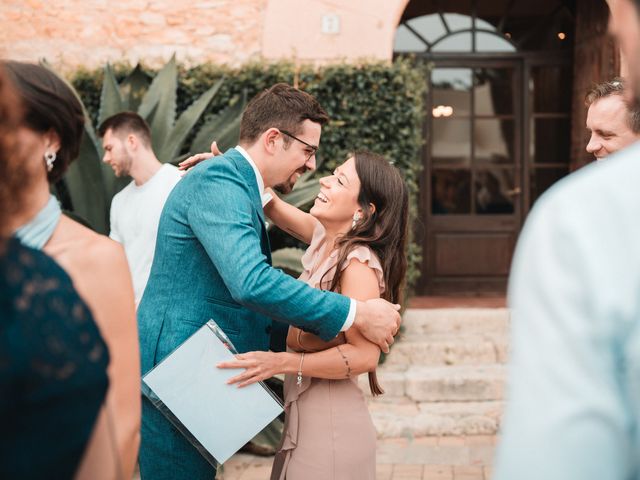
x=220, y=215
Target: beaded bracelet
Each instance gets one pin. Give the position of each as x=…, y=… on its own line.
x=346, y=361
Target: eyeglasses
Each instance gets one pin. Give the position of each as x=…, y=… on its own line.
x=314, y=148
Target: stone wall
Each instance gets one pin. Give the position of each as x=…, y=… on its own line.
x=69, y=33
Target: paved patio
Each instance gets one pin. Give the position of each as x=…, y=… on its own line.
x=427, y=458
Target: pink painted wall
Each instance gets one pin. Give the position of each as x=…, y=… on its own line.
x=293, y=29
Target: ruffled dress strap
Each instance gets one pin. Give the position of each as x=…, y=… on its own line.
x=319, y=273
x=365, y=255
x=323, y=277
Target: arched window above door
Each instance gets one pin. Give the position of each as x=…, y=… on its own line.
x=450, y=32
x=496, y=26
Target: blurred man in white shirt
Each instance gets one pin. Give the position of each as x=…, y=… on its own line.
x=135, y=211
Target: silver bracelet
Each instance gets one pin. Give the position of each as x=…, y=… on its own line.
x=299, y=380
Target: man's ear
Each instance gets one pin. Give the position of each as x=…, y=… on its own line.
x=132, y=141
x=270, y=139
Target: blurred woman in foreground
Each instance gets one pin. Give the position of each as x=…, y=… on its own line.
x=49, y=139
x=53, y=361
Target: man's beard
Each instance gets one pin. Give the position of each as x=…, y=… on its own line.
x=125, y=167
x=284, y=188
x=287, y=186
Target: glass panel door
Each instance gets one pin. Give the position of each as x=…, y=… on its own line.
x=474, y=151
x=473, y=167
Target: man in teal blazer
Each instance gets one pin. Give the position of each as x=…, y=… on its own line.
x=213, y=260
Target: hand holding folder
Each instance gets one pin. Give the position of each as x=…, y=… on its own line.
x=218, y=419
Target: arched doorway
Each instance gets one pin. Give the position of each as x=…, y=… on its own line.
x=498, y=128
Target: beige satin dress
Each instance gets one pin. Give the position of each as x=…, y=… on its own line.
x=328, y=433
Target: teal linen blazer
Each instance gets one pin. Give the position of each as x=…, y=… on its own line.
x=213, y=260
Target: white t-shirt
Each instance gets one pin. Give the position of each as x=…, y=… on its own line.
x=135, y=214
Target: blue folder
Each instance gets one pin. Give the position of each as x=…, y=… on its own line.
x=218, y=419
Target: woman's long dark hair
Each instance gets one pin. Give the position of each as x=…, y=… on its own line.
x=384, y=230
x=49, y=104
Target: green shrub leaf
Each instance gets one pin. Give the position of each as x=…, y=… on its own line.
x=158, y=105
x=133, y=88
x=110, y=98
x=185, y=124
x=224, y=128
x=288, y=259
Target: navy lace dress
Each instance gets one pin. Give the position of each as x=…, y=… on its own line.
x=53, y=368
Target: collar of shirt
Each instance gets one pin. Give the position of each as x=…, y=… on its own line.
x=264, y=196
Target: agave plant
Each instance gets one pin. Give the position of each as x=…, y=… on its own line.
x=91, y=185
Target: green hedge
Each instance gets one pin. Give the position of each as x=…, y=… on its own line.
x=374, y=106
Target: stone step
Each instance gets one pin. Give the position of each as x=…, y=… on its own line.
x=457, y=383
x=467, y=321
x=400, y=417
x=449, y=349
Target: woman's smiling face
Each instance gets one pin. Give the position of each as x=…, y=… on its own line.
x=337, y=201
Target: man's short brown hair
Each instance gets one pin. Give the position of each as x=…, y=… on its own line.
x=127, y=122
x=614, y=87
x=282, y=107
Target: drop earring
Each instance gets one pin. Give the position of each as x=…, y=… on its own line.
x=49, y=158
x=356, y=218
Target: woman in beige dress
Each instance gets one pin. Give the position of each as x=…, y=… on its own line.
x=49, y=139
x=356, y=232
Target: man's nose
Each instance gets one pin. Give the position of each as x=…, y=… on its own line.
x=311, y=163
x=594, y=145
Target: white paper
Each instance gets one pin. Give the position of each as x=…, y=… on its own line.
x=221, y=417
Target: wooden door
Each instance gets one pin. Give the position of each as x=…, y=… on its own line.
x=472, y=202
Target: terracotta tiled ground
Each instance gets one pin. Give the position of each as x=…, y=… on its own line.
x=429, y=458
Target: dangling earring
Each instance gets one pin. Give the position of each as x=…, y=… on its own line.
x=49, y=158
x=356, y=218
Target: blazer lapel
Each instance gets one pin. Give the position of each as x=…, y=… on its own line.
x=249, y=176
x=247, y=173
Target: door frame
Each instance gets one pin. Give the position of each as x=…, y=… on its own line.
x=429, y=224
